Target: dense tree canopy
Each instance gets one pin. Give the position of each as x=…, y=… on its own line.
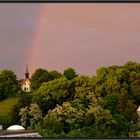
x=54, y=75
x=72, y=105
x=9, y=86
x=106, y=104
x=52, y=93
x=30, y=115
x=38, y=77
x=69, y=73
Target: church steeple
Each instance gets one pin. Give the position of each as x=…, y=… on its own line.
x=27, y=73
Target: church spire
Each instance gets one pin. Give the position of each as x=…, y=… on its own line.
x=27, y=73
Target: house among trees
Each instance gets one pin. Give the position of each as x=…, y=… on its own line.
x=25, y=83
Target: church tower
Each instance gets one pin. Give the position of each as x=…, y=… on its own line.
x=27, y=73
x=25, y=83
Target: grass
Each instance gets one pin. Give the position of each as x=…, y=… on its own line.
x=7, y=105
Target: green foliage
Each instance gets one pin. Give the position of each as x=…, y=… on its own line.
x=7, y=105
x=81, y=106
x=84, y=85
x=120, y=92
x=77, y=133
x=63, y=118
x=6, y=111
x=15, y=118
x=104, y=122
x=101, y=106
x=52, y=93
x=24, y=117
x=35, y=114
x=134, y=88
x=110, y=102
x=69, y=73
x=67, y=119
x=9, y=86
x=25, y=99
x=38, y=77
x=4, y=121
x=122, y=127
x=54, y=75
x=30, y=116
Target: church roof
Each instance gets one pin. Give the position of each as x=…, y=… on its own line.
x=22, y=81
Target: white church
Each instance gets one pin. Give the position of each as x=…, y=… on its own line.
x=25, y=83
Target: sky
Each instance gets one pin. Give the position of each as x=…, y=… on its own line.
x=55, y=36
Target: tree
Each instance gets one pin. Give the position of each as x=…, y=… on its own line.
x=69, y=73
x=9, y=86
x=53, y=92
x=85, y=89
x=30, y=116
x=14, y=115
x=120, y=94
x=24, y=101
x=69, y=121
x=24, y=113
x=134, y=88
x=110, y=102
x=83, y=106
x=103, y=124
x=35, y=114
x=54, y=75
x=38, y=77
x=62, y=119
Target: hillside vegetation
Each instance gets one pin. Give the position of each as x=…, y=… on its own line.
x=6, y=110
x=7, y=105
x=75, y=106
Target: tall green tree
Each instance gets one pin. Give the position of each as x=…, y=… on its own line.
x=9, y=86
x=25, y=119
x=25, y=100
x=54, y=75
x=38, y=77
x=69, y=121
x=30, y=116
x=53, y=92
x=69, y=73
x=82, y=106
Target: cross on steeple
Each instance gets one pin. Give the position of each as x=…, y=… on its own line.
x=27, y=73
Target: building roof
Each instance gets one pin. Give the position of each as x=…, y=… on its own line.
x=22, y=133
x=15, y=128
x=22, y=81
x=18, y=131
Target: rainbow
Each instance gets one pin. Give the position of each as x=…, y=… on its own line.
x=38, y=38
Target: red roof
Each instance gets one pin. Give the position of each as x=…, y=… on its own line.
x=22, y=81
